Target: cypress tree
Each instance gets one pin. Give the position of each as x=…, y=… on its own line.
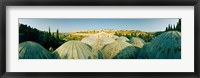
x=166, y=29
x=57, y=34
x=179, y=25
x=169, y=27
x=174, y=28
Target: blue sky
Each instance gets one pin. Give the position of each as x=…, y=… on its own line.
x=80, y=24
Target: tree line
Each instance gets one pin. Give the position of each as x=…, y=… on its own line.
x=47, y=39
x=176, y=27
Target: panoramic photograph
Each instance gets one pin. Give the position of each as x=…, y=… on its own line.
x=99, y=38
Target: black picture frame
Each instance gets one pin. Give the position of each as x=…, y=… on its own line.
x=4, y=3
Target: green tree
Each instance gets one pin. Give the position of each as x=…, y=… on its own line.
x=178, y=26
x=166, y=29
x=49, y=34
x=174, y=27
x=57, y=34
x=169, y=27
x=128, y=36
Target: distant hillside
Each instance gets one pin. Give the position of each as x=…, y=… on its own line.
x=147, y=36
